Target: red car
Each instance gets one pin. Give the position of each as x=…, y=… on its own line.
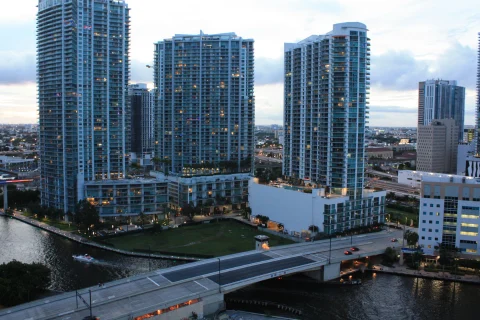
x=354, y=249
x=347, y=253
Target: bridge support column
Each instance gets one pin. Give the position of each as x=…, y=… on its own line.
x=5, y=198
x=212, y=304
x=326, y=273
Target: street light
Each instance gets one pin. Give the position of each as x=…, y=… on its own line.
x=219, y=279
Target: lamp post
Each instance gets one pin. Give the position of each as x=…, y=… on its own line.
x=330, y=250
x=219, y=279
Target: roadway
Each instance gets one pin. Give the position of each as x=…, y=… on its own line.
x=381, y=174
x=264, y=158
x=166, y=287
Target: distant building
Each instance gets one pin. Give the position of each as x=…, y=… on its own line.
x=441, y=99
x=477, y=111
x=468, y=135
x=437, y=147
x=449, y=214
x=465, y=158
x=385, y=153
x=414, y=178
x=142, y=140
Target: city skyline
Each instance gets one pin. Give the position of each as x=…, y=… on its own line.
x=399, y=61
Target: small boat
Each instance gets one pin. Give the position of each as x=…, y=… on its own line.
x=352, y=282
x=84, y=258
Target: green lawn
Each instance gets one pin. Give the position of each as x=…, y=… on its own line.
x=215, y=239
x=399, y=215
x=57, y=224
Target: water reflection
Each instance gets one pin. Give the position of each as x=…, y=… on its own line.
x=25, y=243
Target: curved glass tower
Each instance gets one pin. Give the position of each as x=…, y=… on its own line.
x=82, y=77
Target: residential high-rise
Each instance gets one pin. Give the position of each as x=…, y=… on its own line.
x=477, y=110
x=437, y=146
x=205, y=104
x=325, y=112
x=82, y=77
x=441, y=99
x=326, y=91
x=142, y=119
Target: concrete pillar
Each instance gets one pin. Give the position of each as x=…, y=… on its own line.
x=212, y=304
x=326, y=273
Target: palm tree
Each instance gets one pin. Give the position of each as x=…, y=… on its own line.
x=142, y=218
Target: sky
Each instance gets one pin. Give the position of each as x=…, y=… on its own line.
x=411, y=41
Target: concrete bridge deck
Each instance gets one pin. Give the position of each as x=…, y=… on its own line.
x=206, y=280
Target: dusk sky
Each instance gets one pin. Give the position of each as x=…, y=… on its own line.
x=411, y=41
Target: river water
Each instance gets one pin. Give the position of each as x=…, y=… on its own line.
x=381, y=297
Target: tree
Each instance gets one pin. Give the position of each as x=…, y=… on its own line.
x=156, y=161
x=142, y=217
x=22, y=282
x=263, y=219
x=391, y=195
x=86, y=216
x=313, y=228
x=411, y=237
x=390, y=256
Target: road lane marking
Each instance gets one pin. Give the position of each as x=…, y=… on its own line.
x=153, y=281
x=111, y=297
x=65, y=313
x=281, y=255
x=201, y=285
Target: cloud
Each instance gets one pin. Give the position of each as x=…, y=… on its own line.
x=401, y=70
x=17, y=68
x=268, y=71
x=140, y=72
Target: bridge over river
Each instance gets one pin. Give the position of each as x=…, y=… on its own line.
x=199, y=287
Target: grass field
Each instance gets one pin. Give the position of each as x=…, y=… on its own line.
x=215, y=239
x=399, y=215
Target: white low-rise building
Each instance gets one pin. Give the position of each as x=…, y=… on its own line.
x=414, y=178
x=449, y=214
x=298, y=210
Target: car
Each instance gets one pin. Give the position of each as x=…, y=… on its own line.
x=354, y=249
x=394, y=240
x=347, y=253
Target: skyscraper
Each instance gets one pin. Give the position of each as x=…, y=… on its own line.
x=477, y=113
x=325, y=97
x=437, y=146
x=205, y=104
x=441, y=99
x=206, y=101
x=82, y=76
x=142, y=119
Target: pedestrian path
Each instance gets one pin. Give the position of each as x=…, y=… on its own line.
x=404, y=271
x=77, y=238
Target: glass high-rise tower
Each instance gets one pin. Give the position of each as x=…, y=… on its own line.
x=441, y=99
x=325, y=108
x=478, y=99
x=82, y=77
x=205, y=103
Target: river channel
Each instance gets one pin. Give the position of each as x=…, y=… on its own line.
x=381, y=297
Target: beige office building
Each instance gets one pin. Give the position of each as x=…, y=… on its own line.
x=437, y=146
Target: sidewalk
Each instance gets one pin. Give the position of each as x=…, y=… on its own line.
x=446, y=276
x=75, y=237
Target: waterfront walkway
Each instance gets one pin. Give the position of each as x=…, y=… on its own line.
x=77, y=238
x=445, y=276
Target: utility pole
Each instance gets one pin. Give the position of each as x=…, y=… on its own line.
x=219, y=279
x=330, y=250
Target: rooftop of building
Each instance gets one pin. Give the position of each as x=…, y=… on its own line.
x=451, y=179
x=377, y=149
